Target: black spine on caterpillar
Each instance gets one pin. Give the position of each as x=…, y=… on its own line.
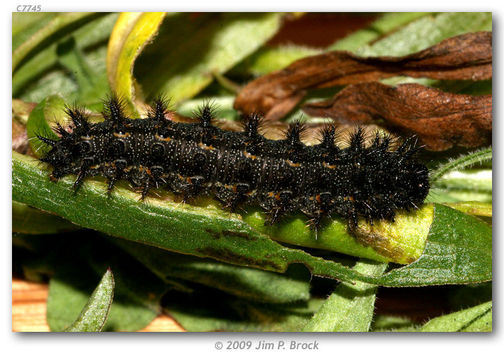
x=281, y=176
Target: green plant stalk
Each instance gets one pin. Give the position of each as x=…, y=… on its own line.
x=462, y=162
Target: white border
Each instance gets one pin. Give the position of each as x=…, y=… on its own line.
x=180, y=346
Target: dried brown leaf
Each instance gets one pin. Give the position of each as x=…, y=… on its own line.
x=463, y=57
x=441, y=120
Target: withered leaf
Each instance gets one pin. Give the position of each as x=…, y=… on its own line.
x=463, y=57
x=441, y=120
x=20, y=138
x=20, y=112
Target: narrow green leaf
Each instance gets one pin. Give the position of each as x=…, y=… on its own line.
x=56, y=27
x=350, y=308
x=94, y=315
x=475, y=319
x=24, y=25
x=402, y=241
x=478, y=180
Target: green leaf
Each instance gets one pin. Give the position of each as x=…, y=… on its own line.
x=428, y=31
x=41, y=73
x=41, y=121
x=379, y=28
x=252, y=284
x=93, y=316
x=474, y=208
x=210, y=43
x=24, y=25
x=223, y=105
x=478, y=180
x=350, y=308
x=475, y=319
x=27, y=220
x=458, y=251
x=268, y=59
x=46, y=33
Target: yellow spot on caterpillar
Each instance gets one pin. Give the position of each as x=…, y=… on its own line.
x=274, y=195
x=329, y=166
x=206, y=147
x=249, y=155
x=119, y=135
x=167, y=139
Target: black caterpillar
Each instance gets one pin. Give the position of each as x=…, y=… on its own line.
x=281, y=176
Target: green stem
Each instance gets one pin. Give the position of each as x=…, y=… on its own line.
x=462, y=162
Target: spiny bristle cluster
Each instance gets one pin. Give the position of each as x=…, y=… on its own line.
x=281, y=176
